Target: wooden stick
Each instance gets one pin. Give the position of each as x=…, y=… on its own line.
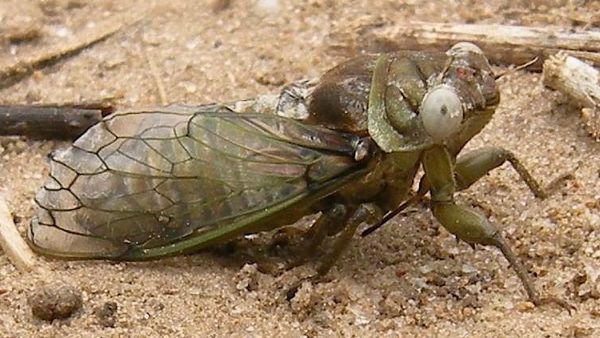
x=12, y=243
x=48, y=121
x=11, y=71
x=580, y=82
x=502, y=44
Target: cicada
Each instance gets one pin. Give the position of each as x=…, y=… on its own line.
x=151, y=183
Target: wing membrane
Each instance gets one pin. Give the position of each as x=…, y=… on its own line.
x=146, y=180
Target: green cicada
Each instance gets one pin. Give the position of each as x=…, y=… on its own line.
x=150, y=183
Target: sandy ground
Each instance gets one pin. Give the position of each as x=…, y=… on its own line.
x=409, y=279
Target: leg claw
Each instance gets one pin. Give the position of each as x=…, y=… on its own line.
x=290, y=292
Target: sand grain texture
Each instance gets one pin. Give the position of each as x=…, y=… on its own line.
x=409, y=279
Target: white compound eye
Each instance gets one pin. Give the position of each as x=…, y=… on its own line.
x=441, y=112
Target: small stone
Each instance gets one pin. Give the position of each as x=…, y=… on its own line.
x=106, y=314
x=247, y=278
x=270, y=78
x=525, y=306
x=304, y=299
x=55, y=301
x=468, y=269
x=62, y=31
x=360, y=317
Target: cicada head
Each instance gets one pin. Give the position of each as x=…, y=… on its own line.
x=421, y=99
x=463, y=92
x=471, y=74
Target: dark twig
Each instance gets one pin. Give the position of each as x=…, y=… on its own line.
x=50, y=121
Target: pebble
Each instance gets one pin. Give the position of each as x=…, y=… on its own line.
x=55, y=301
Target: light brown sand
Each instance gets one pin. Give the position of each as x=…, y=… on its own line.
x=409, y=279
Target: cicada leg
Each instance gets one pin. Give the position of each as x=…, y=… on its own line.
x=476, y=164
x=366, y=212
x=332, y=221
x=466, y=223
x=250, y=251
x=470, y=168
x=332, y=218
x=336, y=220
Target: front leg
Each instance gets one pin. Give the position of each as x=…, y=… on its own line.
x=476, y=164
x=469, y=169
x=466, y=223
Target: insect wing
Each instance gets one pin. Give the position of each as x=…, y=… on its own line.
x=149, y=180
